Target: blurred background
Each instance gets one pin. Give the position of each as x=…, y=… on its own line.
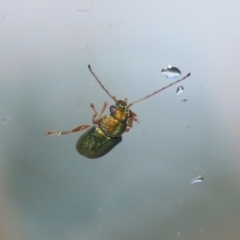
x=141, y=189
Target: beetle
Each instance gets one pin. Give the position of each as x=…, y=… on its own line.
x=107, y=130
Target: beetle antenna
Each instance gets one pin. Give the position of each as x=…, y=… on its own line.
x=160, y=90
x=90, y=69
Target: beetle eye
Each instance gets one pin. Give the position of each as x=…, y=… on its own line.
x=112, y=109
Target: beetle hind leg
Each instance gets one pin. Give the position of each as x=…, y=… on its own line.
x=57, y=133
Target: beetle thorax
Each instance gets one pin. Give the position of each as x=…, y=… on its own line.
x=121, y=112
x=111, y=126
x=115, y=124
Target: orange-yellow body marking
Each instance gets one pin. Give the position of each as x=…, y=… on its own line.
x=121, y=115
x=110, y=124
x=112, y=127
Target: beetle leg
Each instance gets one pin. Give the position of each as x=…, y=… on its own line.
x=129, y=124
x=103, y=109
x=133, y=117
x=78, y=129
x=96, y=120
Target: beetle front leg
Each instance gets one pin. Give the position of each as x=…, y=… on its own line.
x=57, y=133
x=133, y=117
x=96, y=120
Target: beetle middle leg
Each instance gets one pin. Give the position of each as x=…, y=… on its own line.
x=77, y=129
x=96, y=120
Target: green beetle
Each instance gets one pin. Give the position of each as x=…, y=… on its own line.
x=107, y=130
